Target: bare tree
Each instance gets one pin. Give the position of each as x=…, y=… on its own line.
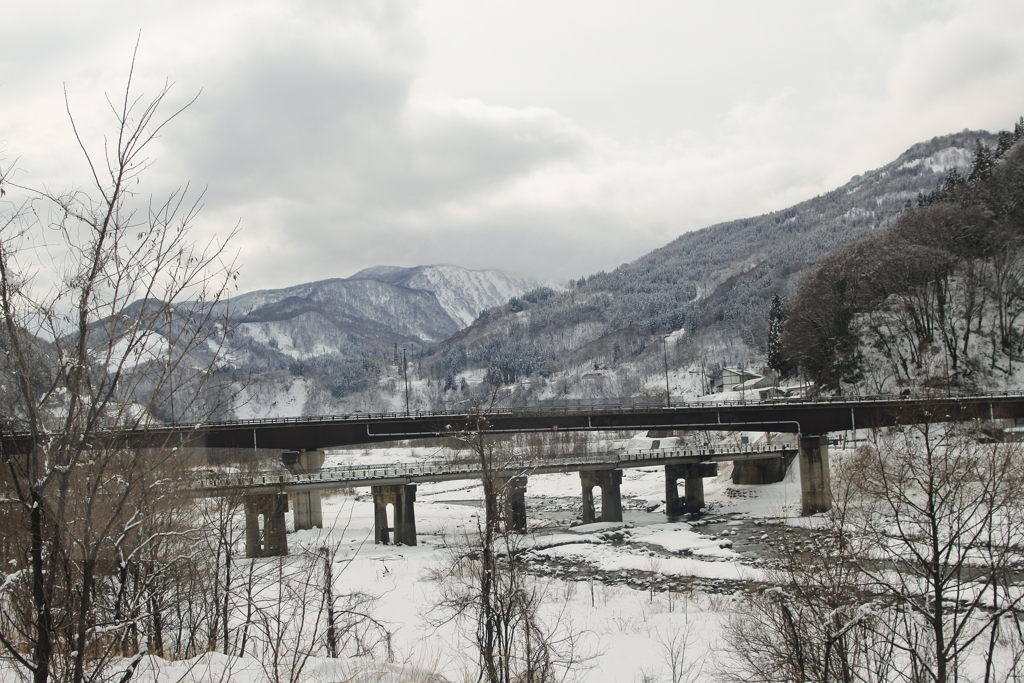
x=677, y=651
x=933, y=525
x=812, y=623
x=519, y=632
x=918, y=580
x=106, y=313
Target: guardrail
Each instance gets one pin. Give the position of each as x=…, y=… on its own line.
x=469, y=469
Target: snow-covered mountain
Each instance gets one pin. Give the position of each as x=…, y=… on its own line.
x=315, y=342
x=360, y=308
x=333, y=346
x=716, y=284
x=464, y=294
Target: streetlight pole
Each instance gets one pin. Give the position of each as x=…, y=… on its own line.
x=668, y=394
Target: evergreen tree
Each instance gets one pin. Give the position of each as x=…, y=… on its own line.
x=776, y=319
x=983, y=165
x=1006, y=141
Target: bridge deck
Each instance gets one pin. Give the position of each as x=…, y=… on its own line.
x=411, y=473
x=806, y=416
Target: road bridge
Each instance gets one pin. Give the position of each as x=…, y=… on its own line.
x=810, y=419
x=797, y=416
x=266, y=494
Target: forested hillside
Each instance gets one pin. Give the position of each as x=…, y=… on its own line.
x=936, y=301
x=717, y=283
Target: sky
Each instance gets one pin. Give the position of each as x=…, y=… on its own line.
x=549, y=139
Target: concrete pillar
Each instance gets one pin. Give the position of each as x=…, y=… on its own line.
x=611, y=498
x=762, y=471
x=673, y=503
x=403, y=498
x=815, y=488
x=270, y=540
x=405, y=516
x=693, y=475
x=587, y=515
x=694, y=490
x=512, y=502
x=307, y=512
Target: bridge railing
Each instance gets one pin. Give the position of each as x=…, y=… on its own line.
x=469, y=468
x=611, y=405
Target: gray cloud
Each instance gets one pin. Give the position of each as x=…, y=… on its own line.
x=550, y=140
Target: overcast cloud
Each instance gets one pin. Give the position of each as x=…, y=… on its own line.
x=551, y=139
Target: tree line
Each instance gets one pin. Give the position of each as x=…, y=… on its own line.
x=935, y=301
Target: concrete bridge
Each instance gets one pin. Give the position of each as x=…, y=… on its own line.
x=267, y=494
x=797, y=416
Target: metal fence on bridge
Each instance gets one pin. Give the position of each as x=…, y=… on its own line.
x=598, y=405
x=365, y=475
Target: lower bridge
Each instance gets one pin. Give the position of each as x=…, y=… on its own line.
x=267, y=495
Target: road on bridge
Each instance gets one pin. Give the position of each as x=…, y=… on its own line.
x=805, y=416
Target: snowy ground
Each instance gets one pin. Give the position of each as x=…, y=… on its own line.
x=607, y=569
x=603, y=572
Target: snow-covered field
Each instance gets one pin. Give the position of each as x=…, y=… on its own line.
x=629, y=587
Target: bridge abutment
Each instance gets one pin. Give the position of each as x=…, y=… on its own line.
x=611, y=497
x=511, y=492
x=402, y=497
x=307, y=511
x=815, y=485
x=270, y=540
x=693, y=494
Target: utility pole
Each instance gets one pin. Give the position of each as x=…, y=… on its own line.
x=668, y=394
x=743, y=381
x=405, y=369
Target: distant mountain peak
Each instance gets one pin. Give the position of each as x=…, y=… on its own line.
x=463, y=293
x=380, y=273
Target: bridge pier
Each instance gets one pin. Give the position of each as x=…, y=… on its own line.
x=271, y=540
x=693, y=494
x=763, y=471
x=307, y=512
x=611, y=497
x=815, y=487
x=402, y=497
x=511, y=493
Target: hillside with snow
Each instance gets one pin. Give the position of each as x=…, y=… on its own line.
x=711, y=288
x=464, y=294
x=678, y=314
x=301, y=349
